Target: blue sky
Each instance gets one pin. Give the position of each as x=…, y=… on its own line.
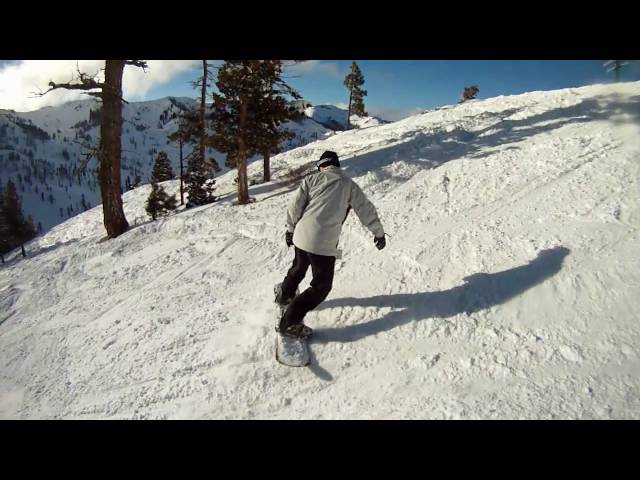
x=398, y=87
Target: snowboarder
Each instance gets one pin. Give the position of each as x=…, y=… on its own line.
x=314, y=220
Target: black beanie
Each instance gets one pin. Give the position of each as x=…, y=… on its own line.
x=328, y=158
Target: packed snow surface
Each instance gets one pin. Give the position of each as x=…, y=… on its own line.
x=509, y=287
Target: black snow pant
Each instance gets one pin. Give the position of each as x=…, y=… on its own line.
x=322, y=268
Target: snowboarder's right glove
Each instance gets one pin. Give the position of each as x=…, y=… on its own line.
x=380, y=242
x=288, y=237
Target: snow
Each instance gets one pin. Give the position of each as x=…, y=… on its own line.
x=328, y=115
x=335, y=118
x=508, y=288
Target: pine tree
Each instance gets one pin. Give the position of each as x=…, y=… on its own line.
x=5, y=242
x=162, y=170
x=195, y=180
x=353, y=81
x=209, y=187
x=469, y=93
x=200, y=120
x=615, y=66
x=17, y=229
x=28, y=231
x=237, y=82
x=159, y=203
x=185, y=133
x=238, y=121
x=152, y=206
x=274, y=108
x=109, y=151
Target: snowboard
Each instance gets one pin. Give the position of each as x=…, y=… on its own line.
x=292, y=352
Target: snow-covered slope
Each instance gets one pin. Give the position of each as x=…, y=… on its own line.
x=42, y=152
x=335, y=118
x=508, y=289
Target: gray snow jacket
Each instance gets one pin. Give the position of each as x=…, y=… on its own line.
x=320, y=207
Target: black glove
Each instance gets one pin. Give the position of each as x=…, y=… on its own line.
x=380, y=242
x=288, y=237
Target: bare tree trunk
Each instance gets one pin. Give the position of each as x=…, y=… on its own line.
x=181, y=173
x=267, y=166
x=24, y=254
x=203, y=99
x=111, y=149
x=349, y=111
x=241, y=160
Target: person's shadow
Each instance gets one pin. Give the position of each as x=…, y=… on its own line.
x=480, y=291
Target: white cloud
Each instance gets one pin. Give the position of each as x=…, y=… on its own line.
x=136, y=83
x=317, y=66
x=19, y=81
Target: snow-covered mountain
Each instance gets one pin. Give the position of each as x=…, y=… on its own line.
x=335, y=118
x=508, y=288
x=42, y=152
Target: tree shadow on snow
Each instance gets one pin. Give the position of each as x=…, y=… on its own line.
x=480, y=291
x=15, y=255
x=433, y=148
